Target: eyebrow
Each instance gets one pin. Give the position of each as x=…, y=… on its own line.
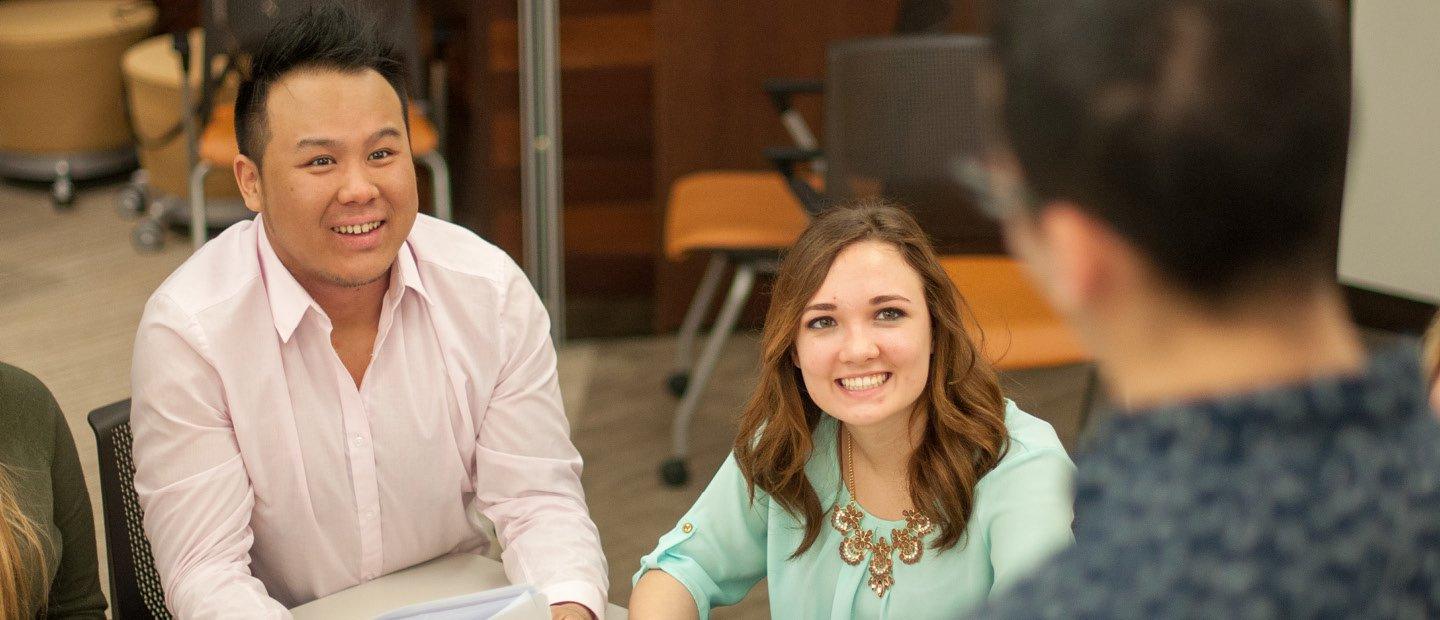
x=385, y=132
x=874, y=301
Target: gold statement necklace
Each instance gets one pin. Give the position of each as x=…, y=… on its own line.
x=909, y=540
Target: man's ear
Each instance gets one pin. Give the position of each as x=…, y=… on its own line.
x=1087, y=260
x=247, y=176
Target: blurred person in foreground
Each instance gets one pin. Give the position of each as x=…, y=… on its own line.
x=1172, y=171
x=336, y=390
x=48, y=565
x=878, y=472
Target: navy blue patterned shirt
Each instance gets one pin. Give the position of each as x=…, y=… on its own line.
x=1315, y=500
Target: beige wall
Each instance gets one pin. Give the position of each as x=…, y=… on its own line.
x=1390, y=235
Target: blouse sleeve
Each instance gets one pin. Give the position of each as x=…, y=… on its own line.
x=717, y=550
x=1028, y=507
x=75, y=591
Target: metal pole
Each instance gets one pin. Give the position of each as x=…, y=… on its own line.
x=540, y=157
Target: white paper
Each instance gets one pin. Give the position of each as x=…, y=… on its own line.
x=520, y=602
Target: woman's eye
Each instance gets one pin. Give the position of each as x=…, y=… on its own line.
x=890, y=314
x=381, y=154
x=820, y=323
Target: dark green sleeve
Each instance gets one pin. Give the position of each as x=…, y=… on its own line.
x=75, y=593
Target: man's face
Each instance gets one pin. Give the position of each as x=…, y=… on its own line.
x=337, y=184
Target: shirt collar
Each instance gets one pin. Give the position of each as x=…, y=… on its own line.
x=289, y=300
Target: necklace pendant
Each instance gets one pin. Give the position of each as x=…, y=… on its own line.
x=881, y=569
x=854, y=547
x=847, y=519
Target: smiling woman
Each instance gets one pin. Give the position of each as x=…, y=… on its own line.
x=878, y=471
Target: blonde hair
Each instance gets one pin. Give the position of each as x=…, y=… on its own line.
x=21, y=554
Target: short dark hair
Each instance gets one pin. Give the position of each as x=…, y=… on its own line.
x=325, y=35
x=1211, y=134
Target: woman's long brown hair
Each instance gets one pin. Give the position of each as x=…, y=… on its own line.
x=21, y=556
x=964, y=435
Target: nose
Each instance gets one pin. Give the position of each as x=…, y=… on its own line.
x=859, y=346
x=357, y=187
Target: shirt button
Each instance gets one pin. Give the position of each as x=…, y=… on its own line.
x=687, y=528
x=359, y=441
x=369, y=514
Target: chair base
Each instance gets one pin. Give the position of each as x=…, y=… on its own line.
x=173, y=212
x=674, y=473
x=61, y=170
x=689, y=381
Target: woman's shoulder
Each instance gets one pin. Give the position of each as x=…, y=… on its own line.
x=1030, y=438
x=27, y=409
x=1028, y=432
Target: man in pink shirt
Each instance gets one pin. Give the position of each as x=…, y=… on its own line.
x=338, y=389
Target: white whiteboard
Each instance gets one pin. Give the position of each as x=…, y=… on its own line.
x=1390, y=231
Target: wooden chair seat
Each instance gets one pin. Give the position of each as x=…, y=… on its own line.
x=219, y=148
x=1020, y=329
x=731, y=210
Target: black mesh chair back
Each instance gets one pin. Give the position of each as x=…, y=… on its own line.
x=898, y=110
x=135, y=590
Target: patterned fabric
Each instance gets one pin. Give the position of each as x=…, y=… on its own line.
x=1308, y=501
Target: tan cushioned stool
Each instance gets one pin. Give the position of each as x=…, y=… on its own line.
x=152, y=74
x=60, y=73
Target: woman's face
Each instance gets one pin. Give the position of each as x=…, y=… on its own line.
x=864, y=342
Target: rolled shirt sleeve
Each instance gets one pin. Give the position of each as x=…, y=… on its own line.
x=1028, y=507
x=718, y=549
x=191, y=481
x=527, y=471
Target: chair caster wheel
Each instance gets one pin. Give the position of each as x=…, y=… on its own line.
x=673, y=473
x=62, y=193
x=677, y=383
x=131, y=203
x=148, y=236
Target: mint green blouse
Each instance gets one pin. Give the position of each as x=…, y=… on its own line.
x=725, y=544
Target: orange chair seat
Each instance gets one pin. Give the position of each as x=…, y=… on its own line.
x=1018, y=327
x=218, y=147
x=731, y=210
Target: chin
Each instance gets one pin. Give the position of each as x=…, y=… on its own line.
x=865, y=415
x=357, y=279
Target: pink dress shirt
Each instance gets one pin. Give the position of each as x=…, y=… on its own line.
x=268, y=479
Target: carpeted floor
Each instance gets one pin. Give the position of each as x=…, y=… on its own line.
x=72, y=289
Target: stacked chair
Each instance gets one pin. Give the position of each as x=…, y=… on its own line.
x=899, y=111
x=62, y=111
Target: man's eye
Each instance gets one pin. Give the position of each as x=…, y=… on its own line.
x=820, y=323
x=381, y=154
x=890, y=314
x=323, y=160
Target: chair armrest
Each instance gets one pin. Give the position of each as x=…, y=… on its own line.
x=781, y=90
x=785, y=159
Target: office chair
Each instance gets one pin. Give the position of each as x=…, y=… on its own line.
x=898, y=111
x=232, y=30
x=742, y=219
x=135, y=590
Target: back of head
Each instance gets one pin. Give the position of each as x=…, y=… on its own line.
x=326, y=35
x=1210, y=134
